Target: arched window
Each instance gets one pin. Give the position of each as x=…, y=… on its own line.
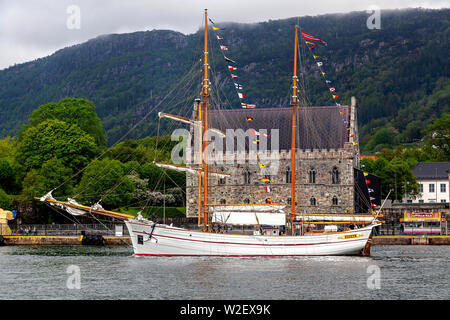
x=247, y=201
x=335, y=176
x=246, y=177
x=313, y=201
x=288, y=175
x=312, y=176
x=335, y=201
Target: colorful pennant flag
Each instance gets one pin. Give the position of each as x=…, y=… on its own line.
x=223, y=47
x=231, y=68
x=310, y=37
x=241, y=95
x=268, y=189
x=332, y=89
x=249, y=118
x=219, y=38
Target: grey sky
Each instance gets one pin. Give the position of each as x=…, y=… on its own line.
x=30, y=29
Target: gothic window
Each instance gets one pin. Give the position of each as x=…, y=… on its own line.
x=312, y=176
x=335, y=176
x=223, y=201
x=288, y=175
x=335, y=201
x=247, y=201
x=222, y=180
x=246, y=177
x=313, y=201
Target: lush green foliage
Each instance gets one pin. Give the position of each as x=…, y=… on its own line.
x=54, y=138
x=5, y=200
x=72, y=111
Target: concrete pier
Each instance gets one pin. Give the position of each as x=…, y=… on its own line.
x=411, y=240
x=61, y=240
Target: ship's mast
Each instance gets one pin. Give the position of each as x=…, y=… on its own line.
x=294, y=131
x=205, y=96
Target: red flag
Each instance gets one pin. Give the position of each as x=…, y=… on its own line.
x=367, y=181
x=309, y=37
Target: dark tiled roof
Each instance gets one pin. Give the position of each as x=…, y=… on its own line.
x=318, y=127
x=431, y=170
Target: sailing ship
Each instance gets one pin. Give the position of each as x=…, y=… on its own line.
x=275, y=233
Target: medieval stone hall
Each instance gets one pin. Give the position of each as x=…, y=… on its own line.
x=327, y=160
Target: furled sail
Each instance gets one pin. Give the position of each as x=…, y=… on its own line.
x=189, y=169
x=188, y=121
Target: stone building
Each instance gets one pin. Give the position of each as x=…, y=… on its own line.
x=326, y=166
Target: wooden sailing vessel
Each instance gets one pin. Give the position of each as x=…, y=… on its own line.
x=150, y=238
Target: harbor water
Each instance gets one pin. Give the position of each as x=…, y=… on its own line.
x=111, y=273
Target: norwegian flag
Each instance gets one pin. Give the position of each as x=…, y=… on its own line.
x=231, y=68
x=224, y=47
x=238, y=86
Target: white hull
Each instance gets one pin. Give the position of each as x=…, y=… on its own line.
x=171, y=241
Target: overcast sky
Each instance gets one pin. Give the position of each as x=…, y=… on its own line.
x=30, y=29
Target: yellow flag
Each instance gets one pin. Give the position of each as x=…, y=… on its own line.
x=334, y=96
x=355, y=143
x=315, y=57
x=215, y=28
x=261, y=165
x=365, y=174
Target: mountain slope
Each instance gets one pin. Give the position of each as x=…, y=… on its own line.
x=396, y=68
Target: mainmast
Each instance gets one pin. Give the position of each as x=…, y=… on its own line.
x=294, y=131
x=205, y=96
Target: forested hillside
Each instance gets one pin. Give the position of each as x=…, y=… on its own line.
x=399, y=73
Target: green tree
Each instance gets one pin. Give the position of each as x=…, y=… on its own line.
x=5, y=201
x=77, y=111
x=106, y=180
x=7, y=176
x=438, y=137
x=55, y=139
x=52, y=174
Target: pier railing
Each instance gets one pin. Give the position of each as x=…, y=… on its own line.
x=107, y=229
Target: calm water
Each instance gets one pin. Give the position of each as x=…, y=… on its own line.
x=405, y=272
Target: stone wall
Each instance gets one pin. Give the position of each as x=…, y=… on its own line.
x=235, y=190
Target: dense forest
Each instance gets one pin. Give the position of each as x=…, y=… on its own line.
x=398, y=74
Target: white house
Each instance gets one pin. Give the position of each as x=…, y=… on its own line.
x=433, y=180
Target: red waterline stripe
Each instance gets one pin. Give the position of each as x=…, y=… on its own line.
x=231, y=255
x=250, y=244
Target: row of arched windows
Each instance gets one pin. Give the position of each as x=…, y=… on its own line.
x=312, y=176
x=312, y=201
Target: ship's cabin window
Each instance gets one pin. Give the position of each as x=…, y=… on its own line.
x=313, y=201
x=335, y=176
x=312, y=176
